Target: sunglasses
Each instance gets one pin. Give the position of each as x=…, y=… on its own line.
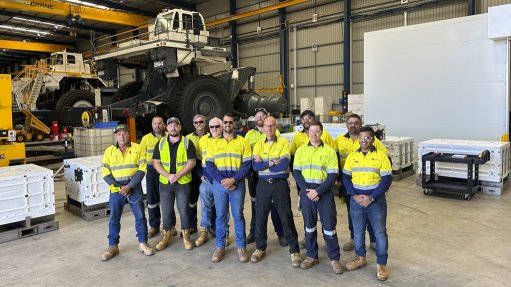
x=367, y=138
x=214, y=127
x=228, y=122
x=198, y=122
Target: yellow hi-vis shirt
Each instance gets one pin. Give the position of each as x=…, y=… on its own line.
x=302, y=138
x=255, y=135
x=148, y=143
x=366, y=171
x=181, y=159
x=278, y=149
x=315, y=163
x=194, y=137
x=228, y=159
x=123, y=167
x=345, y=146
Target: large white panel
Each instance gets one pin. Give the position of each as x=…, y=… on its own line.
x=442, y=79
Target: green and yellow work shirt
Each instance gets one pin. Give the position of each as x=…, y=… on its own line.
x=120, y=169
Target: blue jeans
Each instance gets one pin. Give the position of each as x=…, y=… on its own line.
x=116, y=204
x=376, y=213
x=207, y=205
x=347, y=200
x=236, y=198
x=170, y=193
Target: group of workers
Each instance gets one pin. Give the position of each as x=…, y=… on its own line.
x=212, y=166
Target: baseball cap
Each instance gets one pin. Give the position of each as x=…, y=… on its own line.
x=173, y=120
x=307, y=112
x=121, y=127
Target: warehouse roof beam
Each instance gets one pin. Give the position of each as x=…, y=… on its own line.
x=32, y=46
x=116, y=6
x=64, y=9
x=52, y=21
x=182, y=4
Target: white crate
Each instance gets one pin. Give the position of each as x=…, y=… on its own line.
x=92, y=142
x=400, y=150
x=91, y=189
x=25, y=191
x=494, y=188
x=84, y=180
x=495, y=170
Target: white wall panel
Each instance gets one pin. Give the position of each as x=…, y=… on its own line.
x=444, y=79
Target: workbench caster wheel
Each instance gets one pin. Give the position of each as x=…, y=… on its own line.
x=467, y=197
x=426, y=192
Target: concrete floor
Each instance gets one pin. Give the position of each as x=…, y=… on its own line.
x=434, y=241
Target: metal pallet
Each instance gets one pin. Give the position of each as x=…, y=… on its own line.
x=402, y=173
x=27, y=228
x=90, y=212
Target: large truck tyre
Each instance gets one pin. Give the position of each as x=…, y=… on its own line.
x=127, y=91
x=75, y=98
x=203, y=95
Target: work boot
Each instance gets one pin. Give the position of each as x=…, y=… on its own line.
x=296, y=260
x=173, y=231
x=165, y=241
x=187, y=242
x=372, y=245
x=146, y=249
x=192, y=231
x=153, y=231
x=242, y=255
x=282, y=241
x=218, y=255
x=302, y=244
x=257, y=256
x=381, y=272
x=110, y=253
x=308, y=262
x=250, y=238
x=337, y=267
x=348, y=246
x=357, y=263
x=203, y=237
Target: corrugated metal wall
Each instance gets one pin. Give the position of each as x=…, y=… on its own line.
x=320, y=73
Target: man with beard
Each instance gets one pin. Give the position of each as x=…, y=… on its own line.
x=347, y=144
x=254, y=135
x=174, y=160
x=148, y=143
x=228, y=162
x=367, y=175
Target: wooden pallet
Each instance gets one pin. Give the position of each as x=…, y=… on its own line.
x=402, y=173
x=28, y=227
x=90, y=212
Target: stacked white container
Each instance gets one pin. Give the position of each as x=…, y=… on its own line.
x=84, y=180
x=91, y=142
x=400, y=150
x=356, y=104
x=26, y=191
x=493, y=174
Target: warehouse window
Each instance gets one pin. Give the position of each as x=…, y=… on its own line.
x=175, y=25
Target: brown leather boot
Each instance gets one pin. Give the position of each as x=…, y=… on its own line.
x=165, y=241
x=110, y=252
x=187, y=242
x=203, y=237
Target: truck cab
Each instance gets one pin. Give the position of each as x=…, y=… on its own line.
x=67, y=62
x=179, y=25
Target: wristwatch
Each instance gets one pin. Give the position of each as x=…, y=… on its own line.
x=371, y=198
x=271, y=163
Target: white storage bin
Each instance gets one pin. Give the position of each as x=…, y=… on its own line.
x=495, y=170
x=25, y=191
x=84, y=180
x=400, y=150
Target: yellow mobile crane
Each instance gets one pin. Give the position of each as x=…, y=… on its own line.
x=11, y=152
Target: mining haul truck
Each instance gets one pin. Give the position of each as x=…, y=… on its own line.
x=63, y=80
x=171, y=52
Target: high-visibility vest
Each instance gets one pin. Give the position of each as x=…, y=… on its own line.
x=181, y=159
x=149, y=142
x=123, y=166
